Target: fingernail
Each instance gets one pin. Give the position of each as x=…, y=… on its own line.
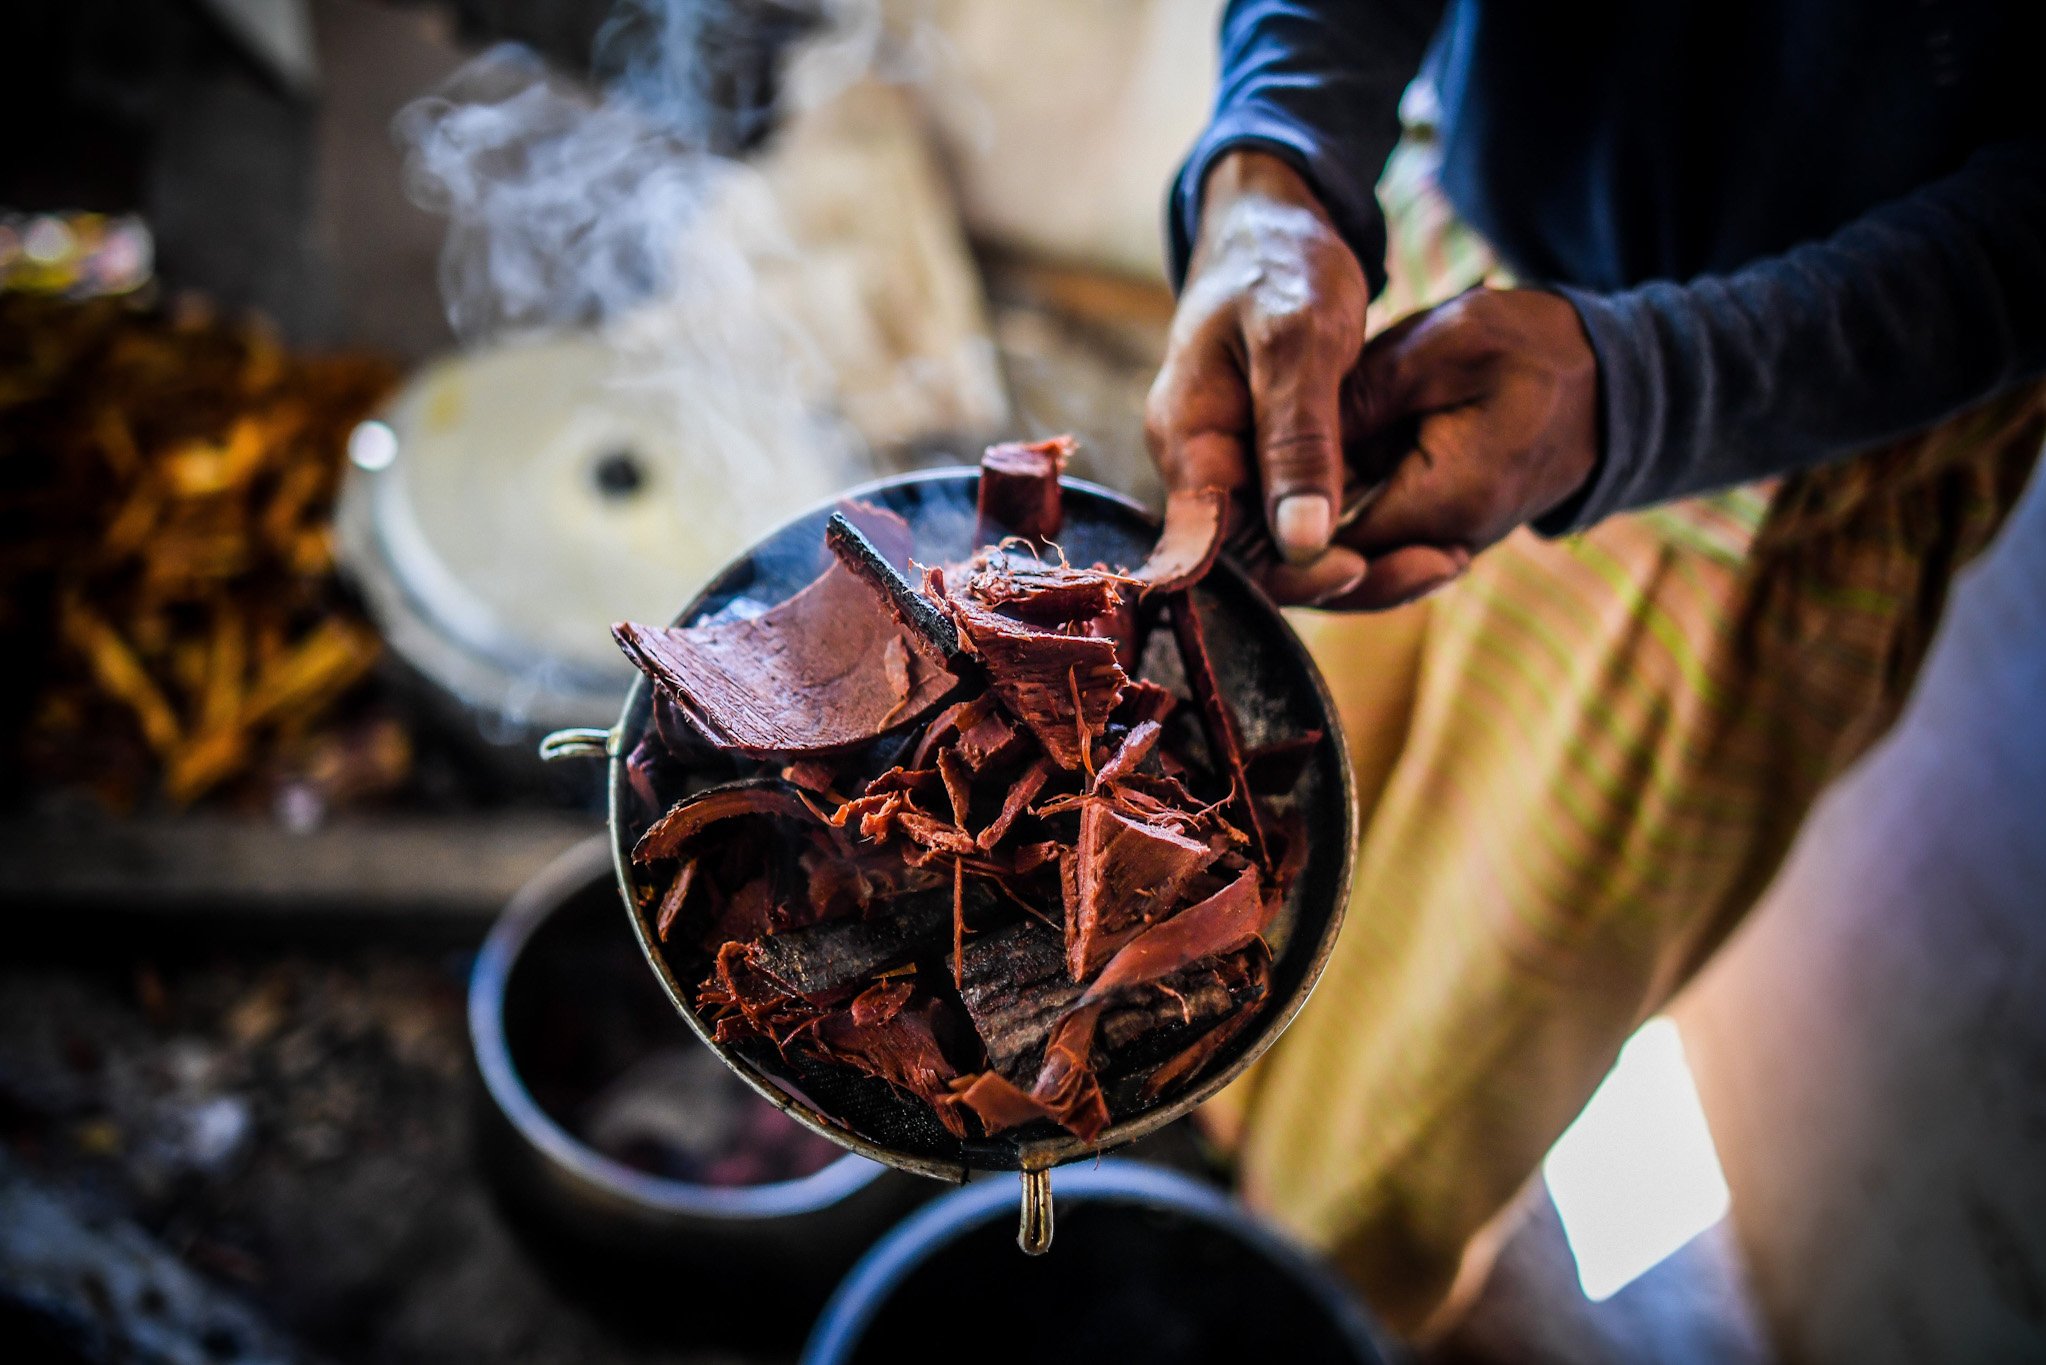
x=1303, y=523
x=1340, y=590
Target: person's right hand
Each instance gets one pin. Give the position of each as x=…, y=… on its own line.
x=1251, y=393
x=1270, y=320
x=1270, y=324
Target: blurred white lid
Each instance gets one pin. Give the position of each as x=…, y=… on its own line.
x=516, y=501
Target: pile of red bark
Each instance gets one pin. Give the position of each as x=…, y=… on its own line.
x=980, y=854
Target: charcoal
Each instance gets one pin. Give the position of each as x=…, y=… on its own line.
x=1016, y=990
x=823, y=959
x=1189, y=999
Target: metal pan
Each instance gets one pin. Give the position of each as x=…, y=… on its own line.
x=1263, y=669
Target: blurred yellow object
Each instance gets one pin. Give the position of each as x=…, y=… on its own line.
x=121, y=675
x=168, y=574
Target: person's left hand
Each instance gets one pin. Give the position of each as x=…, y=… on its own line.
x=1501, y=387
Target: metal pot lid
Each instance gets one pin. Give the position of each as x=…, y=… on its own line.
x=515, y=501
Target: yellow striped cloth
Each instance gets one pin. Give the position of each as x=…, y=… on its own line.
x=1580, y=765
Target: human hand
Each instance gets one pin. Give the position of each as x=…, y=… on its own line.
x=1270, y=321
x=1263, y=388
x=1500, y=388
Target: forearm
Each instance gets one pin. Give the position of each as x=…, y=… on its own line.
x=1916, y=310
x=1318, y=85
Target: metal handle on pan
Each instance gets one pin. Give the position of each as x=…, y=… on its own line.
x=581, y=742
x=1034, y=1236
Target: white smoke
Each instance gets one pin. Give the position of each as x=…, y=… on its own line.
x=653, y=362
x=612, y=208
x=562, y=209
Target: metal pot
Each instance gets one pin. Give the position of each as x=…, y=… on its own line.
x=634, y=1232
x=1160, y=1268
x=1264, y=670
x=511, y=500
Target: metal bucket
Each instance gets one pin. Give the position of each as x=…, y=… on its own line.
x=615, y=1228
x=1263, y=670
x=1160, y=1269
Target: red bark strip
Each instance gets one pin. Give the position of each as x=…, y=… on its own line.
x=997, y=1102
x=958, y=925
x=1136, y=746
x=1196, y=523
x=1019, y=489
x=672, y=902
x=1066, y=1084
x=1222, y=923
x=1218, y=720
x=1014, y=804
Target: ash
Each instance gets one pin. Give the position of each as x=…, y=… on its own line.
x=297, y=1130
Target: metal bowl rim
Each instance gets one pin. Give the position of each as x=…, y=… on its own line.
x=1043, y=1153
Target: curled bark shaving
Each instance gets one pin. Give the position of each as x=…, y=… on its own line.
x=1196, y=524
x=692, y=815
x=1222, y=923
x=674, y=899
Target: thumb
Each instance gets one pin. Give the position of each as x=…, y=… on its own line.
x=1382, y=410
x=1295, y=393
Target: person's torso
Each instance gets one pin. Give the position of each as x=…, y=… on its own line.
x=1606, y=143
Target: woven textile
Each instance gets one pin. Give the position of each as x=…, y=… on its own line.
x=1580, y=765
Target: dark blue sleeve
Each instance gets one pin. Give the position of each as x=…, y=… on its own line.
x=1319, y=85
x=1914, y=311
